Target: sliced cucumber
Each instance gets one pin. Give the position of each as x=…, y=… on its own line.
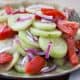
x=19, y=48
x=20, y=65
x=20, y=25
x=59, y=46
x=14, y=61
x=23, y=36
x=59, y=62
x=44, y=25
x=25, y=45
x=54, y=34
x=3, y=18
x=19, y=68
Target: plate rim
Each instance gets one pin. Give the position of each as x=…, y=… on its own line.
x=44, y=76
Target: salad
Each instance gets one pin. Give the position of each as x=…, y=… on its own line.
x=38, y=39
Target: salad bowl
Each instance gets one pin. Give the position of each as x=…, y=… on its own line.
x=14, y=21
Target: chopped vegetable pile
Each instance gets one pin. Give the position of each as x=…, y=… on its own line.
x=38, y=38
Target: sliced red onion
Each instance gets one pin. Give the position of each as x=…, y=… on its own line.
x=20, y=10
x=36, y=7
x=23, y=18
x=24, y=60
x=44, y=69
x=48, y=69
x=33, y=51
x=49, y=18
x=41, y=53
x=45, y=21
x=30, y=56
x=32, y=36
x=48, y=50
x=16, y=40
x=6, y=45
x=6, y=49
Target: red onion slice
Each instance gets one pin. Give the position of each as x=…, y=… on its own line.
x=48, y=69
x=21, y=19
x=24, y=60
x=41, y=53
x=49, y=18
x=48, y=50
x=37, y=7
x=16, y=40
x=33, y=51
x=30, y=56
x=32, y=36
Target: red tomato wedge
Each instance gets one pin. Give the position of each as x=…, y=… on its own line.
x=71, y=52
x=5, y=58
x=69, y=28
x=8, y=9
x=77, y=44
x=35, y=65
x=6, y=32
x=53, y=12
x=37, y=17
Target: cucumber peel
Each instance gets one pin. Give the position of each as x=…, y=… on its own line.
x=49, y=34
x=59, y=46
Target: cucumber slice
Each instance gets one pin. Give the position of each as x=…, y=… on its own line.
x=3, y=18
x=25, y=45
x=19, y=48
x=14, y=61
x=59, y=46
x=20, y=65
x=77, y=36
x=23, y=36
x=59, y=62
x=19, y=68
x=44, y=25
x=26, y=21
x=53, y=34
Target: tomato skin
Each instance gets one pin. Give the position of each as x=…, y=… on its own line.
x=67, y=27
x=53, y=12
x=64, y=28
x=5, y=58
x=37, y=17
x=77, y=44
x=35, y=65
x=6, y=32
x=8, y=9
x=71, y=52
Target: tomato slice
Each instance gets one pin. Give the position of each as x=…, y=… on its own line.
x=37, y=17
x=35, y=65
x=71, y=52
x=53, y=12
x=77, y=44
x=6, y=32
x=8, y=9
x=5, y=58
x=69, y=28
x=73, y=25
x=64, y=27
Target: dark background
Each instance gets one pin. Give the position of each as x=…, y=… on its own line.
x=64, y=77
